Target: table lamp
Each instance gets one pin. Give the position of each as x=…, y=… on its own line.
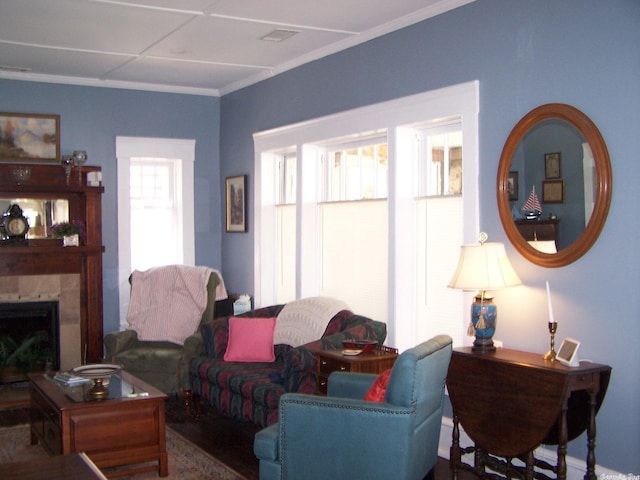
x=483, y=267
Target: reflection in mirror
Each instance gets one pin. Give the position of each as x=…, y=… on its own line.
x=556, y=162
x=41, y=213
x=553, y=159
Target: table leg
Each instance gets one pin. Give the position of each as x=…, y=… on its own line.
x=529, y=461
x=187, y=395
x=591, y=438
x=163, y=467
x=454, y=452
x=563, y=438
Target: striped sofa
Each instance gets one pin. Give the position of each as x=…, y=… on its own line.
x=250, y=392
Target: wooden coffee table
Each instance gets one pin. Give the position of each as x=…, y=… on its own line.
x=125, y=429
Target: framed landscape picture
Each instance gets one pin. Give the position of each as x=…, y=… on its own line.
x=29, y=137
x=236, y=195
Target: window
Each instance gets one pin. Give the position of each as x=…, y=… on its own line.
x=285, y=251
x=380, y=211
x=438, y=209
x=357, y=173
x=155, y=207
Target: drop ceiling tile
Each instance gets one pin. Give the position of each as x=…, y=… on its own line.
x=351, y=15
x=60, y=62
x=237, y=42
x=85, y=25
x=170, y=72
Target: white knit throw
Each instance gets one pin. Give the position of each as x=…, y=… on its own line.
x=303, y=321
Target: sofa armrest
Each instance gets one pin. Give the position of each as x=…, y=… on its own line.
x=299, y=373
x=116, y=342
x=193, y=346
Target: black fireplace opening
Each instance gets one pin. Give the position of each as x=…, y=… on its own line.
x=29, y=339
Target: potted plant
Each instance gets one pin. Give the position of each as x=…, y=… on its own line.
x=70, y=232
x=16, y=359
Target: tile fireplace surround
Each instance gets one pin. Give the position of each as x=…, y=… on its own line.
x=65, y=289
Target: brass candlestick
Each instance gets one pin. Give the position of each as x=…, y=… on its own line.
x=551, y=354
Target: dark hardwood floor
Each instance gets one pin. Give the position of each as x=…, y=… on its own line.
x=229, y=441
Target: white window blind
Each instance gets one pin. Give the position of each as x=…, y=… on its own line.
x=354, y=250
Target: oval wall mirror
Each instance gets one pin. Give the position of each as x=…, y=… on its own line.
x=554, y=185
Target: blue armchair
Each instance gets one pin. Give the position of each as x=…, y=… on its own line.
x=341, y=436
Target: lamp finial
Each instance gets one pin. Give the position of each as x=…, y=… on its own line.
x=483, y=237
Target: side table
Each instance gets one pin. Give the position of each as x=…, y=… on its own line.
x=377, y=361
x=509, y=402
x=125, y=429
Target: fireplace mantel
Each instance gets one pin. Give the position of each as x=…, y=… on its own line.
x=49, y=257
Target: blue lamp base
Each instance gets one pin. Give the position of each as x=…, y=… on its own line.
x=484, y=315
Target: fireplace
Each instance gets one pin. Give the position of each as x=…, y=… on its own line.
x=45, y=270
x=29, y=338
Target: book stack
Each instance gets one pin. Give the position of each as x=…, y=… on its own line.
x=70, y=379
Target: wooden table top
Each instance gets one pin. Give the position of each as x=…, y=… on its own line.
x=56, y=467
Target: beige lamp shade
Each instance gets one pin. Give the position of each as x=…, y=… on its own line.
x=484, y=266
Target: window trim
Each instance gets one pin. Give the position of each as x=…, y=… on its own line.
x=126, y=148
x=396, y=117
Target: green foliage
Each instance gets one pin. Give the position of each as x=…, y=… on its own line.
x=24, y=355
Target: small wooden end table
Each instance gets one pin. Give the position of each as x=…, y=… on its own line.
x=377, y=361
x=125, y=429
x=509, y=402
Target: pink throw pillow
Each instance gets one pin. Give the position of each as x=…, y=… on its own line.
x=378, y=388
x=250, y=340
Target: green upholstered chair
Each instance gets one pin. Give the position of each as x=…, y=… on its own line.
x=165, y=365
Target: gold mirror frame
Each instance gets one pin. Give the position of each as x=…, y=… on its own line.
x=602, y=197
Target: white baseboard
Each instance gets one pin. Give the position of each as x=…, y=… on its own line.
x=575, y=467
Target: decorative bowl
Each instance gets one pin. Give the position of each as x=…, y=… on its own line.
x=97, y=370
x=363, y=345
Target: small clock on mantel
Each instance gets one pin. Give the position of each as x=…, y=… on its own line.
x=14, y=226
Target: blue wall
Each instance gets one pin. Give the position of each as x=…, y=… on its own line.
x=90, y=119
x=581, y=52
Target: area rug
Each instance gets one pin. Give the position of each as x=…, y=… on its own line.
x=186, y=460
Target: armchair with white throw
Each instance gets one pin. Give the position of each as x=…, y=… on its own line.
x=343, y=436
x=168, y=304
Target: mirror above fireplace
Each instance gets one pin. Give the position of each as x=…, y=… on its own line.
x=41, y=213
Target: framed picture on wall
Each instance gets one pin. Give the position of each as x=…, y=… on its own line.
x=29, y=137
x=552, y=165
x=236, y=201
x=553, y=191
x=512, y=185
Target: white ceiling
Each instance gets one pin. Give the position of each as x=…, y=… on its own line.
x=208, y=47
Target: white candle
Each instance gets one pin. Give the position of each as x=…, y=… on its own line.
x=551, y=319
